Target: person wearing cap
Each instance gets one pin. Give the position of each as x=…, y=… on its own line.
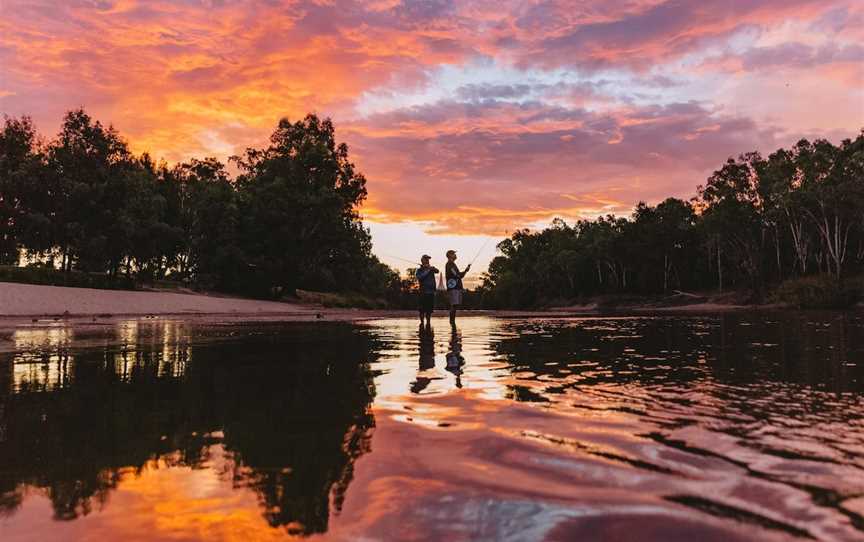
x=454, y=284
x=426, y=278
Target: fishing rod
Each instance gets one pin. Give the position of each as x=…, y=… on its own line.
x=406, y=260
x=479, y=251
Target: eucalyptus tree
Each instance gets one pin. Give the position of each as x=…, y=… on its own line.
x=663, y=241
x=91, y=167
x=207, y=206
x=780, y=182
x=831, y=190
x=21, y=170
x=299, y=200
x=732, y=211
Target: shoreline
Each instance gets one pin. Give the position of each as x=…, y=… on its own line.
x=89, y=331
x=37, y=307
x=29, y=301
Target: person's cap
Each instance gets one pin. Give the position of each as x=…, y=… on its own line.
x=425, y=257
x=451, y=253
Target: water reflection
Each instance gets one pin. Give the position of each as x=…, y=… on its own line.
x=748, y=418
x=426, y=359
x=291, y=412
x=735, y=427
x=43, y=362
x=455, y=360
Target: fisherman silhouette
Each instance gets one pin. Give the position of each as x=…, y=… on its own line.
x=455, y=288
x=426, y=281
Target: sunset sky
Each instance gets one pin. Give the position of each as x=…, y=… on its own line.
x=469, y=119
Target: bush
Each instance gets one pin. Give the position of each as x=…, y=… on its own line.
x=818, y=292
x=55, y=277
x=345, y=300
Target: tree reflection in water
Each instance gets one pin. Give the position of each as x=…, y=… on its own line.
x=293, y=410
x=805, y=349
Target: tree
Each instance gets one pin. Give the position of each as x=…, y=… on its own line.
x=299, y=198
x=20, y=166
x=780, y=181
x=150, y=237
x=663, y=238
x=91, y=167
x=803, y=205
x=291, y=219
x=732, y=211
x=832, y=189
x=207, y=205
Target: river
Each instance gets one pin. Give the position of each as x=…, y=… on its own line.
x=742, y=426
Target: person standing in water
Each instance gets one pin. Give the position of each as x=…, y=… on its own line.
x=426, y=278
x=454, y=284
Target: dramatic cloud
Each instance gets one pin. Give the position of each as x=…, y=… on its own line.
x=799, y=55
x=467, y=117
x=485, y=167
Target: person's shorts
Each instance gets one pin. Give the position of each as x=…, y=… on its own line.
x=427, y=303
x=455, y=297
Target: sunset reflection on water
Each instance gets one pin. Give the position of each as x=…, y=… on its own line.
x=630, y=428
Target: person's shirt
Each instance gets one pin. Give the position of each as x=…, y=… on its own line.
x=426, y=279
x=453, y=276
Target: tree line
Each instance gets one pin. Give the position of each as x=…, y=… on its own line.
x=757, y=222
x=289, y=217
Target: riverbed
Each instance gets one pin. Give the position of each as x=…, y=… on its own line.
x=740, y=426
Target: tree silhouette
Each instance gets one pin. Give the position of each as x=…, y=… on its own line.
x=754, y=223
x=84, y=202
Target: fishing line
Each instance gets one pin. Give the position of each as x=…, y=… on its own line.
x=481, y=249
x=415, y=262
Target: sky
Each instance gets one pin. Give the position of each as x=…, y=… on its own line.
x=470, y=119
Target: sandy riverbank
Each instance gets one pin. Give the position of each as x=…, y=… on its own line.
x=29, y=301
x=37, y=300
x=96, y=313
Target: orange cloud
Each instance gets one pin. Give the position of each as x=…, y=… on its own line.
x=618, y=101
x=526, y=164
x=174, y=76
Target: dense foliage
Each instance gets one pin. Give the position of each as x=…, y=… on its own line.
x=756, y=222
x=84, y=202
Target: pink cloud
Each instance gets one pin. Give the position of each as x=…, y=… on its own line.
x=193, y=78
x=503, y=163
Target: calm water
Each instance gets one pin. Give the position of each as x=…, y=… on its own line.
x=743, y=427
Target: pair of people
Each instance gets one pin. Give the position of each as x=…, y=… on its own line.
x=426, y=277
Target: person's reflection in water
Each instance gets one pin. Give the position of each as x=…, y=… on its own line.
x=455, y=361
x=427, y=358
